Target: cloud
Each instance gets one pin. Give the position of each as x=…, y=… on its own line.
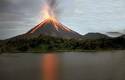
x=18, y=16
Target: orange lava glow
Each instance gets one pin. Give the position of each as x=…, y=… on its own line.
x=48, y=16
x=56, y=24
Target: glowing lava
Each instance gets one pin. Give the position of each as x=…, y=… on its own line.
x=54, y=23
x=50, y=25
x=49, y=18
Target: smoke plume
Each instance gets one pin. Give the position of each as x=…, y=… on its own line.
x=53, y=7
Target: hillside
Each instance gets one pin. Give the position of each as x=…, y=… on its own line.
x=43, y=43
x=53, y=28
x=95, y=36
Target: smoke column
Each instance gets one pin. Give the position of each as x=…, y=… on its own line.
x=52, y=8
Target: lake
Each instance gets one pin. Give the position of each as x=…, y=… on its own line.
x=106, y=65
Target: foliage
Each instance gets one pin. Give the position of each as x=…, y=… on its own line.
x=47, y=43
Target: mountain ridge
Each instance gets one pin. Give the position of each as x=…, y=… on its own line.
x=53, y=28
x=95, y=36
x=41, y=43
x=50, y=35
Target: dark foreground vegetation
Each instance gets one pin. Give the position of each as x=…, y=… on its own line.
x=40, y=43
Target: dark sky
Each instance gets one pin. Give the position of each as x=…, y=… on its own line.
x=18, y=16
x=83, y=16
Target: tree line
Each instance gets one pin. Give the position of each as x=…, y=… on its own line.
x=47, y=43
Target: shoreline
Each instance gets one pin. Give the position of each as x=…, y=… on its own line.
x=62, y=51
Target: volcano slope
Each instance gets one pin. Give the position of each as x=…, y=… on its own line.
x=42, y=43
x=53, y=28
x=53, y=36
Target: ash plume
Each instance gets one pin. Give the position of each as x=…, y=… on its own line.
x=53, y=5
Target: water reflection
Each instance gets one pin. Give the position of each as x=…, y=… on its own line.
x=63, y=66
x=50, y=67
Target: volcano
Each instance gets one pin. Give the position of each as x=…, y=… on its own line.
x=53, y=28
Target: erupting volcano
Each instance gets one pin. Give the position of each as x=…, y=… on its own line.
x=50, y=26
x=53, y=28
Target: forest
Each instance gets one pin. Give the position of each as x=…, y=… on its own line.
x=46, y=43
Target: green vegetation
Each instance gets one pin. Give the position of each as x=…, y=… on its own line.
x=46, y=43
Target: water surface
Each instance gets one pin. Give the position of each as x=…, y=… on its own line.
x=108, y=65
